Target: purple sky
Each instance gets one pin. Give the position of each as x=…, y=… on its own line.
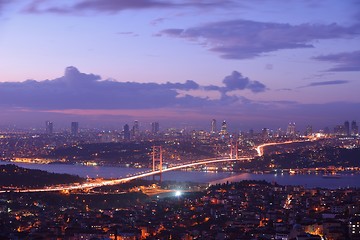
x=254, y=63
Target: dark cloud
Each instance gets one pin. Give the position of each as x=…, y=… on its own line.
x=347, y=61
x=76, y=90
x=212, y=88
x=188, y=85
x=110, y=6
x=88, y=98
x=240, y=39
x=114, y=6
x=325, y=83
x=3, y=3
x=236, y=81
x=88, y=91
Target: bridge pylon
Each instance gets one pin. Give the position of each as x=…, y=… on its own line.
x=234, y=148
x=157, y=156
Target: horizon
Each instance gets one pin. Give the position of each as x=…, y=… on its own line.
x=146, y=126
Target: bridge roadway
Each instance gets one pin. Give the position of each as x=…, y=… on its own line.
x=260, y=149
x=101, y=183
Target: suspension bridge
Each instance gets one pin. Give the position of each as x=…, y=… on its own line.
x=157, y=169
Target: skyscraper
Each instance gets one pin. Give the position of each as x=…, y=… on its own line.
x=354, y=128
x=74, y=128
x=126, y=132
x=213, y=126
x=223, y=127
x=49, y=127
x=136, y=129
x=291, y=130
x=347, y=128
x=265, y=132
x=155, y=127
x=339, y=130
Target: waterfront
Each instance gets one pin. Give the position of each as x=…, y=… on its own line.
x=307, y=180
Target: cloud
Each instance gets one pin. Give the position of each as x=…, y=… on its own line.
x=115, y=6
x=125, y=33
x=90, y=99
x=131, y=34
x=346, y=61
x=242, y=39
x=88, y=91
x=109, y=6
x=326, y=83
x=188, y=85
x=157, y=21
x=3, y=3
x=284, y=89
x=236, y=81
x=76, y=90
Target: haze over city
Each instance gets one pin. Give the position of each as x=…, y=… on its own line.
x=254, y=64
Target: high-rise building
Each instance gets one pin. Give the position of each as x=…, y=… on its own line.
x=309, y=130
x=347, y=128
x=155, y=127
x=223, y=127
x=126, y=132
x=74, y=128
x=213, y=126
x=354, y=128
x=49, y=127
x=291, y=130
x=265, y=132
x=136, y=129
x=339, y=130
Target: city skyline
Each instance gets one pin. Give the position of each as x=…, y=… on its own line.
x=256, y=64
x=214, y=127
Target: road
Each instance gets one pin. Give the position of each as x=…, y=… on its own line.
x=260, y=149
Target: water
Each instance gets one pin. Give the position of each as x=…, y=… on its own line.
x=306, y=180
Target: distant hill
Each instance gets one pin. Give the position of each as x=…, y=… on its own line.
x=14, y=176
x=320, y=157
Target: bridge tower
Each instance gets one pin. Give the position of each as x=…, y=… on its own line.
x=157, y=157
x=234, y=148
